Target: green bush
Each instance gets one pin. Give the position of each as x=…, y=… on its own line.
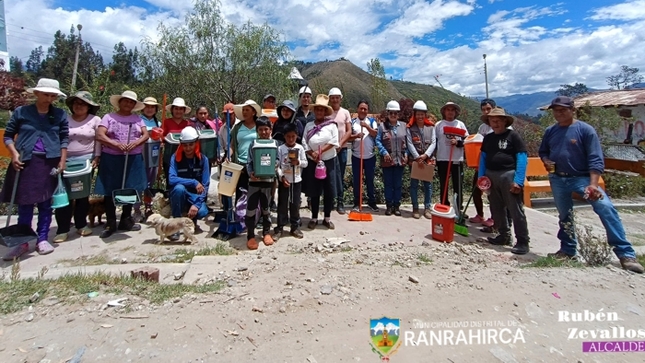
x=624, y=186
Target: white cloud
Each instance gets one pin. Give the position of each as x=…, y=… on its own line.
x=523, y=53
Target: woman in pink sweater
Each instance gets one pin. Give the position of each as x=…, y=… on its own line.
x=83, y=123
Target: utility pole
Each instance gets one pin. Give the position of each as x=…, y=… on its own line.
x=486, y=75
x=436, y=78
x=78, y=48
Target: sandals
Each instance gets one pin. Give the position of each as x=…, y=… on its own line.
x=268, y=240
x=252, y=244
x=44, y=248
x=61, y=237
x=84, y=232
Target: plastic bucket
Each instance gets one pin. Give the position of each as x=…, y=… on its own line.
x=60, y=201
x=78, y=179
x=228, y=179
x=151, y=153
x=472, y=150
x=264, y=157
x=208, y=143
x=170, y=146
x=443, y=223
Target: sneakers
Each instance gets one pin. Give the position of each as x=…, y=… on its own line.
x=60, y=238
x=500, y=240
x=388, y=211
x=520, y=248
x=268, y=240
x=373, y=207
x=340, y=209
x=44, y=248
x=476, y=219
x=297, y=233
x=277, y=234
x=174, y=237
x=397, y=211
x=16, y=252
x=427, y=213
x=631, y=264
x=560, y=255
x=85, y=231
x=252, y=244
x=355, y=208
x=108, y=230
x=415, y=213
x=488, y=223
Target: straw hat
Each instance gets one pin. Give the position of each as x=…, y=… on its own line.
x=151, y=101
x=238, y=109
x=85, y=97
x=322, y=101
x=178, y=102
x=47, y=85
x=498, y=111
x=114, y=100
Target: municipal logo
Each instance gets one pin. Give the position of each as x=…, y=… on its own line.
x=385, y=334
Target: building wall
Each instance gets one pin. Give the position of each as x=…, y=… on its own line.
x=638, y=115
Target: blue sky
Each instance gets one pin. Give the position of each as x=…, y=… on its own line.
x=531, y=45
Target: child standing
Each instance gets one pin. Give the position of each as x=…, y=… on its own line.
x=503, y=160
x=259, y=193
x=292, y=160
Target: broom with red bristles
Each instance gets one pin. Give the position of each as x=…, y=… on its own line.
x=453, y=132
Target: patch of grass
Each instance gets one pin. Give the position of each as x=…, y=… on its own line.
x=183, y=255
x=100, y=259
x=126, y=249
x=641, y=259
x=547, y=262
x=424, y=258
x=14, y=295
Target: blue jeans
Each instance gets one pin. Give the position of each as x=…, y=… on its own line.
x=341, y=166
x=414, y=193
x=369, y=165
x=181, y=200
x=393, y=182
x=562, y=188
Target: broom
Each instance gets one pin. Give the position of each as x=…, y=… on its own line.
x=460, y=228
x=360, y=215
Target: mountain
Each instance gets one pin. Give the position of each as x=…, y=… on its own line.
x=355, y=84
x=525, y=103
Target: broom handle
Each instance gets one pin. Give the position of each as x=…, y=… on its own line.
x=127, y=153
x=13, y=193
x=360, y=177
x=163, y=114
x=445, y=190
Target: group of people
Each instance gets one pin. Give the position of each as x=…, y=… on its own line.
x=312, y=143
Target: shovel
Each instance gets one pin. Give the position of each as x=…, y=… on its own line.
x=17, y=234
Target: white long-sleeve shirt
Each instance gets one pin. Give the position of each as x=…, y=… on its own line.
x=293, y=174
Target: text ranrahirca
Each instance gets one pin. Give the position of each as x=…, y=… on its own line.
x=464, y=333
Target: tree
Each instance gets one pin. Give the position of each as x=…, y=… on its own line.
x=12, y=91
x=124, y=64
x=572, y=90
x=35, y=61
x=16, y=67
x=628, y=76
x=378, y=89
x=209, y=61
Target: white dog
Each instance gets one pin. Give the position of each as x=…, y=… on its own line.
x=168, y=226
x=161, y=205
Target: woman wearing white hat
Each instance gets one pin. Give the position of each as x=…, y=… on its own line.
x=41, y=145
x=242, y=136
x=83, y=123
x=175, y=124
x=121, y=132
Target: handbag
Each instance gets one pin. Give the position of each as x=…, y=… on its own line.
x=321, y=169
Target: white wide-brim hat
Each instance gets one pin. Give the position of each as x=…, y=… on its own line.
x=251, y=103
x=114, y=100
x=178, y=102
x=47, y=85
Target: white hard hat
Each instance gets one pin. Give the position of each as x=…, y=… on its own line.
x=420, y=106
x=304, y=89
x=188, y=134
x=393, y=106
x=335, y=92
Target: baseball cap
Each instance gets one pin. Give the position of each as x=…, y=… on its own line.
x=268, y=96
x=563, y=101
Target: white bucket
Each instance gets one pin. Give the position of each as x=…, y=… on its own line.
x=228, y=180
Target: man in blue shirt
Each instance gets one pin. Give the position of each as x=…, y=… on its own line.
x=189, y=177
x=571, y=151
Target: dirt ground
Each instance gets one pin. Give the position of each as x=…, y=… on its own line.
x=312, y=300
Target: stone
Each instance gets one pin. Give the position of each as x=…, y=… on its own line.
x=231, y=283
x=283, y=309
x=242, y=268
x=413, y=279
x=34, y=297
x=326, y=289
x=29, y=317
x=147, y=273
